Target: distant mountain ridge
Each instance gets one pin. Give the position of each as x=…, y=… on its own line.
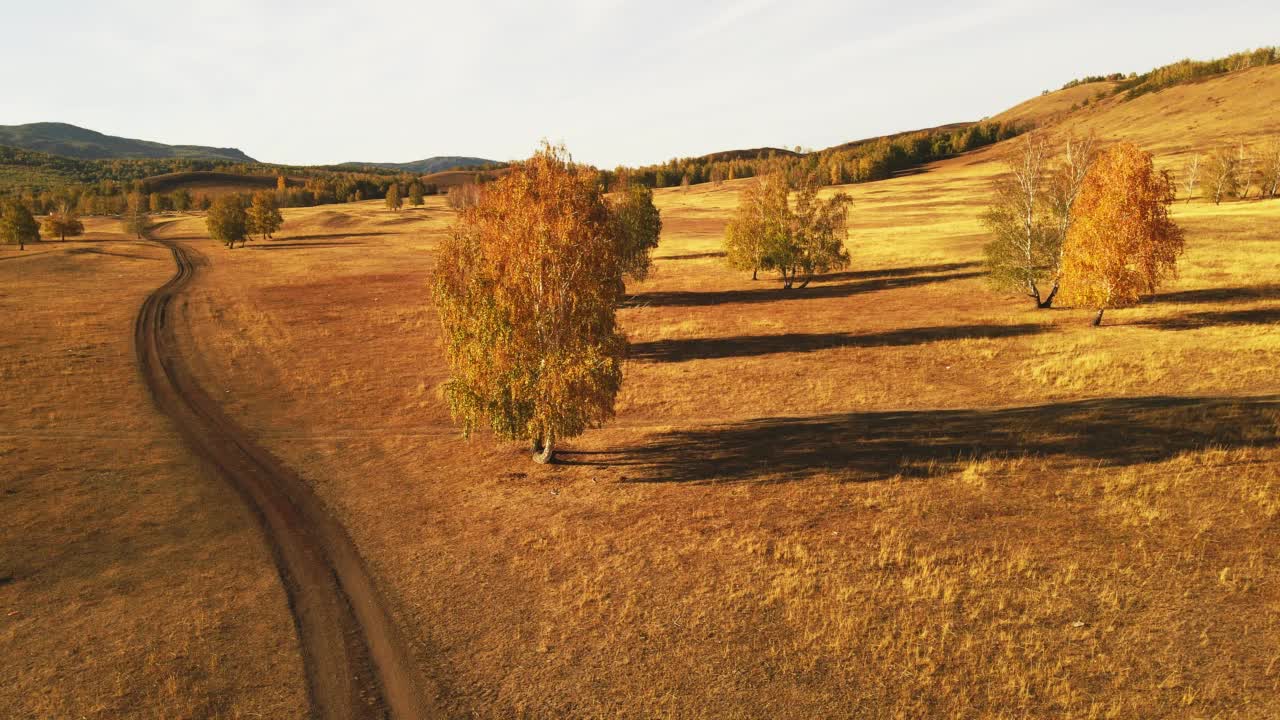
x=426, y=166
x=73, y=141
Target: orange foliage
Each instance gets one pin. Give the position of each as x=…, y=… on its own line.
x=527, y=289
x=1121, y=242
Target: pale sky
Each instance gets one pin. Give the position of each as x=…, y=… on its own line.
x=618, y=82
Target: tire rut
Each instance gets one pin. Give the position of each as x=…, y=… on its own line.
x=357, y=665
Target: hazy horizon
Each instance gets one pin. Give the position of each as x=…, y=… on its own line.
x=618, y=83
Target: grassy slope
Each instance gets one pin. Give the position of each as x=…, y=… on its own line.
x=893, y=493
x=133, y=583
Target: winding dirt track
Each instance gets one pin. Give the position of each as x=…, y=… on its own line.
x=357, y=665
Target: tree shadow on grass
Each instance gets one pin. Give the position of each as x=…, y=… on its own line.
x=690, y=256
x=305, y=245
x=96, y=251
x=775, y=293
x=858, y=447
x=1193, y=321
x=1221, y=295
x=752, y=345
x=330, y=236
x=896, y=272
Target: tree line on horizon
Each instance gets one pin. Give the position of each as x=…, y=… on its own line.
x=1134, y=85
x=859, y=162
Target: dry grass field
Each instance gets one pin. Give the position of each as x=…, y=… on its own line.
x=133, y=583
x=895, y=493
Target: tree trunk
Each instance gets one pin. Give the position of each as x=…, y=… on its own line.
x=1048, y=301
x=754, y=270
x=544, y=449
x=1097, y=319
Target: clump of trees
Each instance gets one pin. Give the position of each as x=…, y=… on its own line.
x=227, y=221
x=799, y=240
x=263, y=216
x=1031, y=213
x=415, y=194
x=1232, y=171
x=17, y=225
x=1122, y=242
x=63, y=223
x=394, y=201
x=461, y=197
x=527, y=288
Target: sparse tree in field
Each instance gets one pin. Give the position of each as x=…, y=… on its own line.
x=1066, y=177
x=1023, y=251
x=1270, y=169
x=768, y=234
x=393, y=197
x=819, y=229
x=636, y=225
x=63, y=223
x=17, y=226
x=527, y=288
x=1221, y=174
x=137, y=222
x=1191, y=175
x=227, y=220
x=156, y=202
x=685, y=183
x=415, y=194
x=263, y=217
x=180, y=199
x=1122, y=242
x=760, y=224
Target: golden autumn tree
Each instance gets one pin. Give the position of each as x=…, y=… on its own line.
x=63, y=223
x=263, y=216
x=1122, y=241
x=527, y=288
x=798, y=240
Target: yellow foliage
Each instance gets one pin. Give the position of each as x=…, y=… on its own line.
x=1122, y=242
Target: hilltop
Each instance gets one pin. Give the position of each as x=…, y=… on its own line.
x=76, y=142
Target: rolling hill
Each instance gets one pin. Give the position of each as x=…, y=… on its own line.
x=426, y=166
x=76, y=142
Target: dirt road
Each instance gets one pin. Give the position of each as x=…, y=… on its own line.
x=357, y=664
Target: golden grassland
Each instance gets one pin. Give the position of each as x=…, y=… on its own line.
x=895, y=493
x=132, y=582
x=892, y=493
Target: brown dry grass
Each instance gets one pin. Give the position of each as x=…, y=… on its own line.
x=892, y=494
x=132, y=582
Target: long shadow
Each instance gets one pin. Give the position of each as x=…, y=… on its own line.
x=96, y=251
x=775, y=293
x=1192, y=321
x=304, y=245
x=896, y=272
x=752, y=345
x=878, y=445
x=331, y=236
x=1249, y=293
x=691, y=256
